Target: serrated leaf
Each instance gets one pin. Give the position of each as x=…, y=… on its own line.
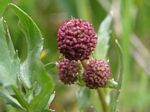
x=103, y=38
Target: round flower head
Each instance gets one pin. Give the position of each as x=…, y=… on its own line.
x=76, y=39
x=68, y=71
x=96, y=73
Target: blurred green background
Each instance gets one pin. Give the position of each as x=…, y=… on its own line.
x=131, y=25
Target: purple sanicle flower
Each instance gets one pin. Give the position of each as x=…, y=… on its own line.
x=96, y=73
x=76, y=39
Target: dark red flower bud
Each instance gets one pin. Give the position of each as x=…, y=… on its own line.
x=76, y=39
x=68, y=71
x=96, y=73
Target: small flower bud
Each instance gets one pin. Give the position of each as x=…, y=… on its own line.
x=68, y=71
x=96, y=73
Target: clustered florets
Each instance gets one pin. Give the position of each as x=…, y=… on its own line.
x=68, y=71
x=96, y=73
x=76, y=40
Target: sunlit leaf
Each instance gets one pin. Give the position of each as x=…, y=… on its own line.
x=103, y=38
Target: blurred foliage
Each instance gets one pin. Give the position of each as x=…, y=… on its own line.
x=131, y=18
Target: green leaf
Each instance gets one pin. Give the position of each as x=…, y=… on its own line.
x=4, y=93
x=41, y=100
x=20, y=99
x=34, y=43
x=9, y=64
x=11, y=48
x=3, y=5
x=30, y=73
x=32, y=70
x=103, y=38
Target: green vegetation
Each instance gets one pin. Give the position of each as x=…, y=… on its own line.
x=29, y=55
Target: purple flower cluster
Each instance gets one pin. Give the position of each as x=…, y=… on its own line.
x=96, y=73
x=76, y=39
x=68, y=71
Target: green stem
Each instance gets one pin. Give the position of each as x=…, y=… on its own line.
x=102, y=100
